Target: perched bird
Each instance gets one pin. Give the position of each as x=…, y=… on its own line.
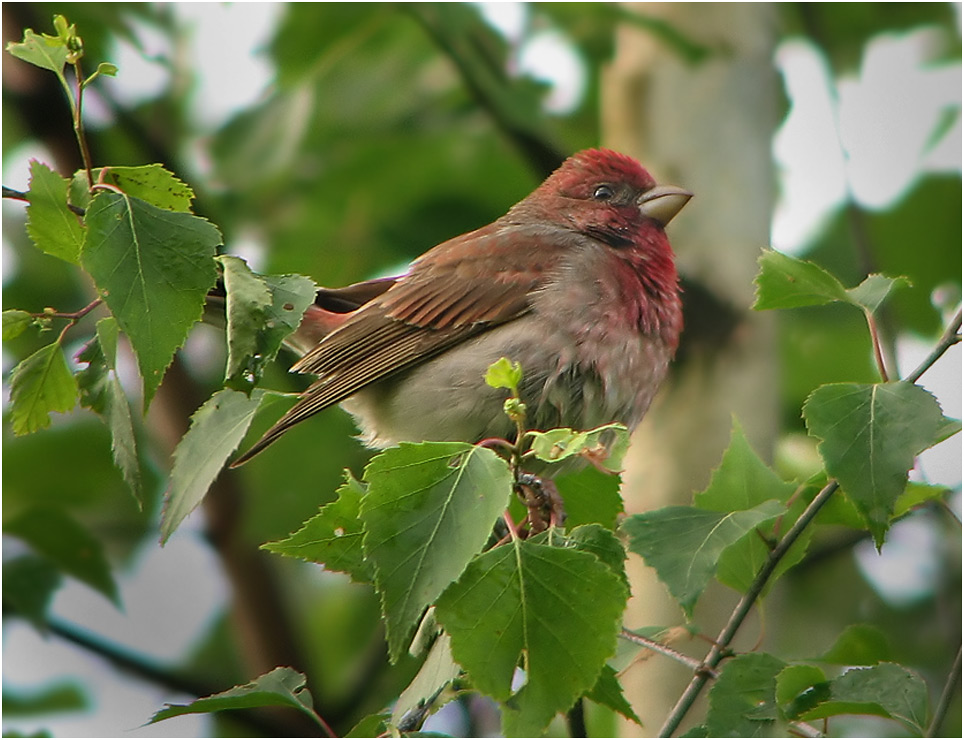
x=576, y=282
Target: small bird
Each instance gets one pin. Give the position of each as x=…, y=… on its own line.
x=577, y=282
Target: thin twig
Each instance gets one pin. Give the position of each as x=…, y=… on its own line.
x=20, y=195
x=658, y=647
x=875, y=341
x=950, y=337
x=949, y=692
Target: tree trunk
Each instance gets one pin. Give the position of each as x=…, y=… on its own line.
x=705, y=125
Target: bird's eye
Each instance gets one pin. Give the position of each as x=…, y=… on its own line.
x=603, y=192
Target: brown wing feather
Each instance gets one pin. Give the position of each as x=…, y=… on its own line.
x=450, y=294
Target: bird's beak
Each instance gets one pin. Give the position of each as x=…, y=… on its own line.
x=662, y=202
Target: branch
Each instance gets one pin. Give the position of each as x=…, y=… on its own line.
x=20, y=195
x=658, y=647
x=949, y=692
x=950, y=337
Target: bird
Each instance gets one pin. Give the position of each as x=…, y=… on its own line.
x=576, y=282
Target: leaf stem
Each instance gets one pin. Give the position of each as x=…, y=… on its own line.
x=953, y=678
x=878, y=351
x=79, y=125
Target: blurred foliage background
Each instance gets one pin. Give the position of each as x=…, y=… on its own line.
x=370, y=133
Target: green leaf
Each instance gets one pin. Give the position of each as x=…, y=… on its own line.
x=609, y=693
x=61, y=540
x=684, y=544
x=504, y=373
x=870, y=435
x=787, y=282
x=885, y=690
x=41, y=51
x=741, y=482
x=801, y=687
x=102, y=393
x=217, y=429
x=151, y=183
x=374, y=725
x=62, y=696
x=557, y=609
x=917, y=494
x=873, y=291
x=605, y=445
x=15, y=323
x=438, y=670
x=40, y=384
x=429, y=510
x=333, y=537
x=153, y=268
x=601, y=542
x=743, y=698
x=29, y=584
x=282, y=687
x=859, y=644
x=261, y=312
x=590, y=496
x=51, y=225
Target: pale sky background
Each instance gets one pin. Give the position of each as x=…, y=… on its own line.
x=877, y=128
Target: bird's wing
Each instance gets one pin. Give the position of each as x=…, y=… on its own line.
x=454, y=291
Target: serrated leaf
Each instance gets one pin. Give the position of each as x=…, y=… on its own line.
x=51, y=225
x=606, y=445
x=590, y=496
x=743, y=698
x=608, y=692
x=39, y=51
x=429, y=510
x=743, y=481
x=787, y=282
x=557, y=609
x=282, y=687
x=101, y=392
x=859, y=644
x=684, y=544
x=870, y=435
x=153, y=268
x=885, y=690
x=15, y=323
x=873, y=291
x=504, y=373
x=217, y=429
x=261, y=311
x=151, y=183
x=333, y=537
x=601, y=542
x=64, y=542
x=42, y=383
x=29, y=584
x=438, y=670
